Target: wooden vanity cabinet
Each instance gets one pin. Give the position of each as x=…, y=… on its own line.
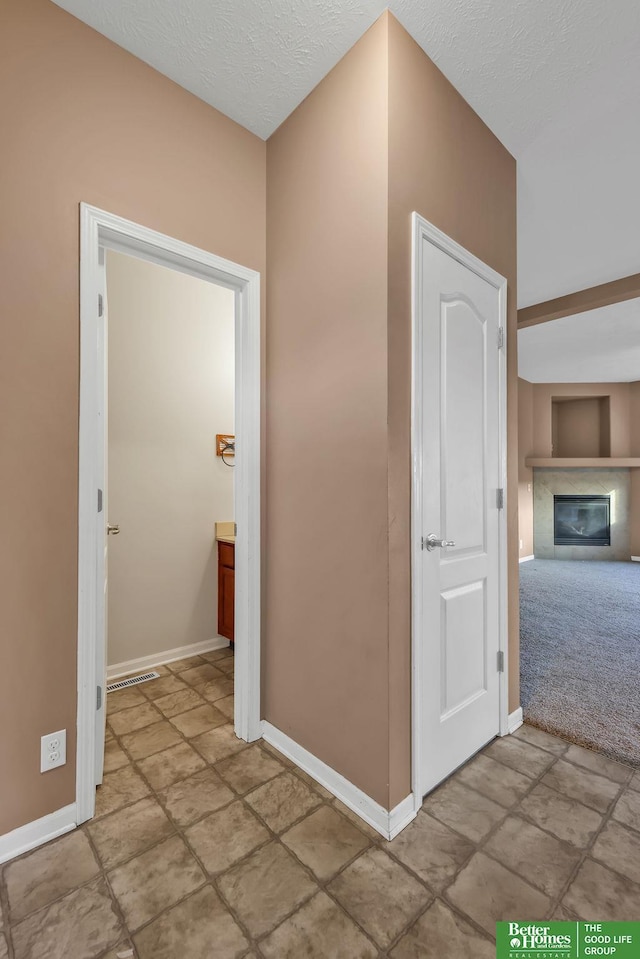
x=226, y=589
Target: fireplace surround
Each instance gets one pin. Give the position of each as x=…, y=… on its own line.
x=613, y=482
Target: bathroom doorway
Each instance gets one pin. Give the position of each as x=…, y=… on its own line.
x=103, y=236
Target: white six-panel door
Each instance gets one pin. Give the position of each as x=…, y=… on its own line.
x=458, y=479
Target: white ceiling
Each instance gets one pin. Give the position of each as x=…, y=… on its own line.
x=556, y=80
x=601, y=346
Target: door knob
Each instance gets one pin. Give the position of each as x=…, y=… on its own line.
x=432, y=542
x=113, y=530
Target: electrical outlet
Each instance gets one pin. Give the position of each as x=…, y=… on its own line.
x=53, y=750
x=521, y=544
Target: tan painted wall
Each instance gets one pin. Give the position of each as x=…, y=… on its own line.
x=634, y=532
x=525, y=473
x=341, y=193
x=171, y=389
x=634, y=443
x=604, y=404
x=448, y=166
x=92, y=123
x=82, y=120
x=634, y=419
x=326, y=647
x=619, y=400
x=578, y=431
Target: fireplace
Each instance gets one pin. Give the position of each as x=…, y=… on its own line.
x=581, y=521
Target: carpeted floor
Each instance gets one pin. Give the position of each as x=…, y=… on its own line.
x=580, y=652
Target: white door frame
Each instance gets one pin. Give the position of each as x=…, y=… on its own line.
x=421, y=229
x=99, y=229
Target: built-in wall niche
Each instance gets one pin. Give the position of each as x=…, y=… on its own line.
x=580, y=426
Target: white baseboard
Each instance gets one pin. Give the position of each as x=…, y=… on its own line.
x=526, y=559
x=167, y=656
x=401, y=815
x=36, y=833
x=515, y=719
x=388, y=824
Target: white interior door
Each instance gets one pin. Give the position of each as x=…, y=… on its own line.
x=102, y=519
x=458, y=322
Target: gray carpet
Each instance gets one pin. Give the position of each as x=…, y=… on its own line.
x=580, y=652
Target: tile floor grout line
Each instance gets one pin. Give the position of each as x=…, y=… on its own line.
x=563, y=756
x=588, y=772
x=440, y=895
x=524, y=815
x=606, y=818
x=583, y=851
x=555, y=901
x=101, y=874
x=107, y=882
x=153, y=789
x=180, y=831
x=68, y=892
x=104, y=871
x=176, y=831
x=323, y=885
x=276, y=837
x=371, y=844
x=480, y=847
x=213, y=880
x=377, y=843
x=4, y=908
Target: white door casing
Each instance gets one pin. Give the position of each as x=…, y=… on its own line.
x=102, y=519
x=99, y=230
x=458, y=428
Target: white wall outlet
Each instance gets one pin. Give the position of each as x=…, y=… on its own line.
x=521, y=544
x=53, y=750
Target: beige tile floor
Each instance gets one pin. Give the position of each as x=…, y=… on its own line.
x=206, y=848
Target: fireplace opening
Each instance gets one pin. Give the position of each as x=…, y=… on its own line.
x=581, y=521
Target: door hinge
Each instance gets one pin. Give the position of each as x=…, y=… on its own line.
x=99, y=500
x=500, y=661
x=500, y=337
x=100, y=305
x=235, y=529
x=500, y=498
x=98, y=697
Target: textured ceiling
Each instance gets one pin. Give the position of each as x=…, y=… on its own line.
x=515, y=62
x=557, y=81
x=601, y=346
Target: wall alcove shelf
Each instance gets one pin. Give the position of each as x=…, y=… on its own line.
x=583, y=462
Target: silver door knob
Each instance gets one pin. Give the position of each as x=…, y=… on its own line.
x=112, y=530
x=432, y=542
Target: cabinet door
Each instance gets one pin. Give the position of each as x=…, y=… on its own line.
x=226, y=601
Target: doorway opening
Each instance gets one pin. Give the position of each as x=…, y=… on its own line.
x=178, y=369
x=579, y=528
